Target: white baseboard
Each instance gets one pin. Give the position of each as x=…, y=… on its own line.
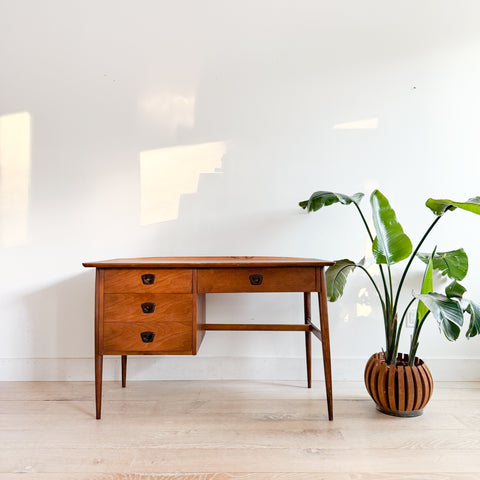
x=213, y=368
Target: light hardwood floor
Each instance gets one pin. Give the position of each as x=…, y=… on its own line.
x=224, y=430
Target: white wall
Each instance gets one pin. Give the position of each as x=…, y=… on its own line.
x=155, y=128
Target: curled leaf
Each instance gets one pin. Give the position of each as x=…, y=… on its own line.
x=439, y=207
x=336, y=277
x=474, y=310
x=453, y=264
x=454, y=290
x=447, y=312
x=323, y=199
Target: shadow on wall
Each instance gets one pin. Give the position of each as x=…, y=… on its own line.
x=61, y=324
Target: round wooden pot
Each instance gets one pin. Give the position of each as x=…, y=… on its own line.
x=398, y=389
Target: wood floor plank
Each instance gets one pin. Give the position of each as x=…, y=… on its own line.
x=185, y=476
x=217, y=459
x=246, y=476
x=196, y=432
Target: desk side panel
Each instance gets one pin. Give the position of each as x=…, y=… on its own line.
x=198, y=319
x=99, y=301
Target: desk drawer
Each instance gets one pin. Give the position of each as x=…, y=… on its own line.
x=133, y=280
x=288, y=279
x=148, y=307
x=151, y=337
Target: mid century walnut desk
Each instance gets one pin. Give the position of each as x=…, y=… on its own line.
x=156, y=306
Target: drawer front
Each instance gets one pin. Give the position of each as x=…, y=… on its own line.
x=288, y=279
x=147, y=337
x=137, y=307
x=153, y=280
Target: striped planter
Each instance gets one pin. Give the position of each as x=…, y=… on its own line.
x=398, y=389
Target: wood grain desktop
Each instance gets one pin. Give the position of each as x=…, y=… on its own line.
x=156, y=306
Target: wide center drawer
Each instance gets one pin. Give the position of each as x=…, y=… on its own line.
x=153, y=280
x=151, y=337
x=288, y=279
x=134, y=307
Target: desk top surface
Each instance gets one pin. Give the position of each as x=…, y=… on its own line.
x=208, y=262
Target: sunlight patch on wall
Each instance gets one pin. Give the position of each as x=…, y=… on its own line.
x=168, y=173
x=169, y=110
x=15, y=145
x=365, y=124
x=363, y=306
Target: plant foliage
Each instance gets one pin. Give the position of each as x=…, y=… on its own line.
x=391, y=245
x=453, y=264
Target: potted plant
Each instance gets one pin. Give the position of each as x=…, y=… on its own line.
x=401, y=384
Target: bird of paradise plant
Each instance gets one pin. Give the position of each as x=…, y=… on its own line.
x=390, y=245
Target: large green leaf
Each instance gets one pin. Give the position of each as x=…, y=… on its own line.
x=453, y=264
x=454, y=290
x=439, y=207
x=336, y=278
x=427, y=287
x=391, y=244
x=447, y=312
x=323, y=199
x=474, y=310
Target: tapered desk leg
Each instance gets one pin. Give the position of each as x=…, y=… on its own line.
x=308, y=337
x=98, y=384
x=327, y=365
x=124, y=371
x=99, y=278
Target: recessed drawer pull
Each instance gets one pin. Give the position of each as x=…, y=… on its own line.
x=147, y=337
x=256, y=279
x=148, y=307
x=148, y=278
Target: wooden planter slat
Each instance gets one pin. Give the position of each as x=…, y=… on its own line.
x=383, y=384
x=392, y=394
x=401, y=388
x=374, y=384
x=368, y=377
x=419, y=391
x=427, y=387
x=409, y=387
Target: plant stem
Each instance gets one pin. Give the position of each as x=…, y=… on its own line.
x=400, y=326
x=387, y=296
x=364, y=221
x=414, y=341
x=390, y=282
x=412, y=256
x=392, y=329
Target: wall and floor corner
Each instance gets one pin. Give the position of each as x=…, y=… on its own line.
x=194, y=128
